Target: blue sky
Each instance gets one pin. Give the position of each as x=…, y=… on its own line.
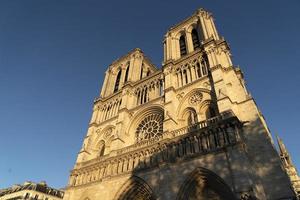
x=53, y=55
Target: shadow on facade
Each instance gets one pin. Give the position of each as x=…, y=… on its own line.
x=226, y=160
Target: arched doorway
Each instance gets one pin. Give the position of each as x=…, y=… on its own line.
x=203, y=184
x=135, y=189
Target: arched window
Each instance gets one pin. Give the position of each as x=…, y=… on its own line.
x=145, y=96
x=126, y=74
x=185, y=76
x=148, y=72
x=204, y=68
x=198, y=70
x=117, y=81
x=195, y=39
x=182, y=46
x=142, y=71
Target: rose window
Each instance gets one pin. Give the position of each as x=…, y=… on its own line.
x=150, y=127
x=196, y=98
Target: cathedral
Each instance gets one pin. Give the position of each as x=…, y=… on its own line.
x=188, y=130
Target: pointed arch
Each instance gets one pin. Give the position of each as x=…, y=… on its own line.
x=150, y=115
x=190, y=116
x=195, y=39
x=117, y=83
x=182, y=45
x=135, y=189
x=204, y=184
x=126, y=74
x=184, y=100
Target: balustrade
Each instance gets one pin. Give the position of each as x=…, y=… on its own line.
x=200, y=138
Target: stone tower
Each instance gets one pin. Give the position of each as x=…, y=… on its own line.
x=189, y=130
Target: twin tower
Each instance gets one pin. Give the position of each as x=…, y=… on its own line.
x=188, y=130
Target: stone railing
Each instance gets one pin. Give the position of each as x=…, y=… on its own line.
x=202, y=138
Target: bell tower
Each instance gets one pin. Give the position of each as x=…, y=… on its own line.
x=189, y=130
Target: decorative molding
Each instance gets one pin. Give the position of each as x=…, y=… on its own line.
x=196, y=98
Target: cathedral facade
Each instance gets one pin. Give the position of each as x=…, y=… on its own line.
x=187, y=130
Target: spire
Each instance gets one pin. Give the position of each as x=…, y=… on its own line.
x=281, y=146
x=283, y=153
x=289, y=167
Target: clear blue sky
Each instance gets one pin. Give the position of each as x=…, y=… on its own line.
x=53, y=54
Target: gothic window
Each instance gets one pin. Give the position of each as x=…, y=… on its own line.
x=204, y=65
x=182, y=46
x=138, y=97
x=142, y=71
x=145, y=95
x=117, y=81
x=126, y=74
x=185, y=76
x=148, y=72
x=195, y=39
x=198, y=68
x=204, y=68
x=161, y=88
x=150, y=127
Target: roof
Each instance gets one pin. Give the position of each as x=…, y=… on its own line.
x=28, y=185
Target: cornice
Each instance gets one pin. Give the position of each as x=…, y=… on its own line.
x=186, y=20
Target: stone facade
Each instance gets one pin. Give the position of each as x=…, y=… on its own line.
x=31, y=191
x=189, y=130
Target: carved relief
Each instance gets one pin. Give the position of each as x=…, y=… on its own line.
x=180, y=95
x=196, y=98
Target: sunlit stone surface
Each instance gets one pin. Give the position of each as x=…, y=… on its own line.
x=189, y=130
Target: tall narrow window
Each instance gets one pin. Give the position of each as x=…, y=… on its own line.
x=198, y=70
x=141, y=76
x=126, y=74
x=185, y=76
x=195, y=39
x=204, y=69
x=182, y=46
x=145, y=95
x=117, y=81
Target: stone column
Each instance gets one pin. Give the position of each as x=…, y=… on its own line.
x=203, y=26
x=104, y=84
x=189, y=42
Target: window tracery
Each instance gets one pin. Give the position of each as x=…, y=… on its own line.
x=196, y=98
x=192, y=70
x=182, y=46
x=195, y=39
x=117, y=83
x=150, y=127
